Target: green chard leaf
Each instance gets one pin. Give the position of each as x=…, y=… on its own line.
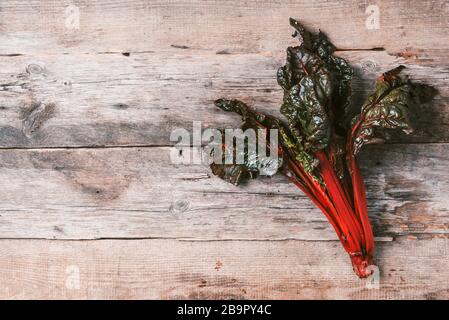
x=234, y=173
x=253, y=164
x=307, y=90
x=392, y=106
x=319, y=141
x=338, y=69
x=316, y=97
x=341, y=74
x=317, y=92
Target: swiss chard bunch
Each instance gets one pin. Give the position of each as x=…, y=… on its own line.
x=320, y=136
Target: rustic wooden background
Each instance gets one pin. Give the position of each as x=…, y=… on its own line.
x=91, y=206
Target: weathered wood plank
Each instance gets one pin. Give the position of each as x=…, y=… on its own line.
x=138, y=193
x=170, y=269
x=111, y=99
x=237, y=26
x=135, y=70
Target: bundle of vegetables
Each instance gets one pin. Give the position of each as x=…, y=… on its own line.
x=321, y=135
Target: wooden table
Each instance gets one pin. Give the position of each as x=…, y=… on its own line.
x=92, y=207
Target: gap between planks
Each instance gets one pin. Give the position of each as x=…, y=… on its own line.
x=129, y=53
x=395, y=143
x=185, y=239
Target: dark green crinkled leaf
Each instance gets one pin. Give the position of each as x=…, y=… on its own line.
x=392, y=106
x=237, y=173
x=341, y=96
x=316, y=95
x=339, y=70
x=289, y=137
x=307, y=91
x=316, y=89
x=234, y=173
x=316, y=105
x=303, y=107
x=319, y=141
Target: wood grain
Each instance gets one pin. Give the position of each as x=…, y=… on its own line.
x=170, y=269
x=114, y=100
x=138, y=193
x=35, y=27
x=85, y=178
